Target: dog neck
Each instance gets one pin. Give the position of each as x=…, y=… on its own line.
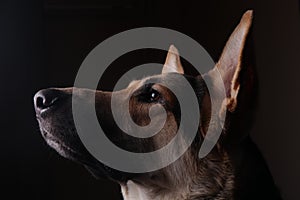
x=186, y=179
x=196, y=187
x=134, y=191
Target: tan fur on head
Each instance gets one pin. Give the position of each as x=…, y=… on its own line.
x=172, y=63
x=229, y=64
x=188, y=177
x=231, y=170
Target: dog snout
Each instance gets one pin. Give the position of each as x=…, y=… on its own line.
x=47, y=98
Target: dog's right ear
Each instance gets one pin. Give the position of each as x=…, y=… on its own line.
x=229, y=64
x=172, y=63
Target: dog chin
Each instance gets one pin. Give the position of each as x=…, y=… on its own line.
x=61, y=148
x=96, y=168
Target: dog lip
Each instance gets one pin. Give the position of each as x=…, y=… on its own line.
x=41, y=114
x=59, y=146
x=66, y=151
x=51, y=140
x=54, y=143
x=44, y=110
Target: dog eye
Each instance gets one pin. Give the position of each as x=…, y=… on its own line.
x=154, y=96
x=149, y=96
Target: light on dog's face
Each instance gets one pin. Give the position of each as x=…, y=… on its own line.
x=57, y=126
x=151, y=92
x=54, y=114
x=205, y=178
x=58, y=129
x=140, y=96
x=149, y=95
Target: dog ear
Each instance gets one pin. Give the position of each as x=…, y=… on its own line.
x=229, y=64
x=172, y=63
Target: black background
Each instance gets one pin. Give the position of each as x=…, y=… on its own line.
x=42, y=44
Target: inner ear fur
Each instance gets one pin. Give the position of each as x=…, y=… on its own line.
x=229, y=65
x=172, y=63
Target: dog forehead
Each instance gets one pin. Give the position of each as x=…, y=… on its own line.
x=169, y=80
x=144, y=81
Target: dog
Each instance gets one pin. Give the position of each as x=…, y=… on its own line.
x=234, y=169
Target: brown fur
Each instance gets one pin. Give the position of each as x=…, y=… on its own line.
x=232, y=170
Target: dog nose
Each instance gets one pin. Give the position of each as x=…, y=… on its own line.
x=46, y=98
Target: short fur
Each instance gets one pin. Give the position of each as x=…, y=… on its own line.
x=234, y=169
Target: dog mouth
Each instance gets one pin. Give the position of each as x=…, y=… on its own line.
x=97, y=168
x=58, y=130
x=47, y=112
x=62, y=148
x=65, y=150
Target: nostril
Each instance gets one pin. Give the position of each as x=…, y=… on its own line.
x=40, y=102
x=46, y=98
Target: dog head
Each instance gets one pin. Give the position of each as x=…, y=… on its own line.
x=54, y=113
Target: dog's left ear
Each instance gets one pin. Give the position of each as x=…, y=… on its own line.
x=172, y=63
x=229, y=64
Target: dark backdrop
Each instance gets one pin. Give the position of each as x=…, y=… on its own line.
x=42, y=44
